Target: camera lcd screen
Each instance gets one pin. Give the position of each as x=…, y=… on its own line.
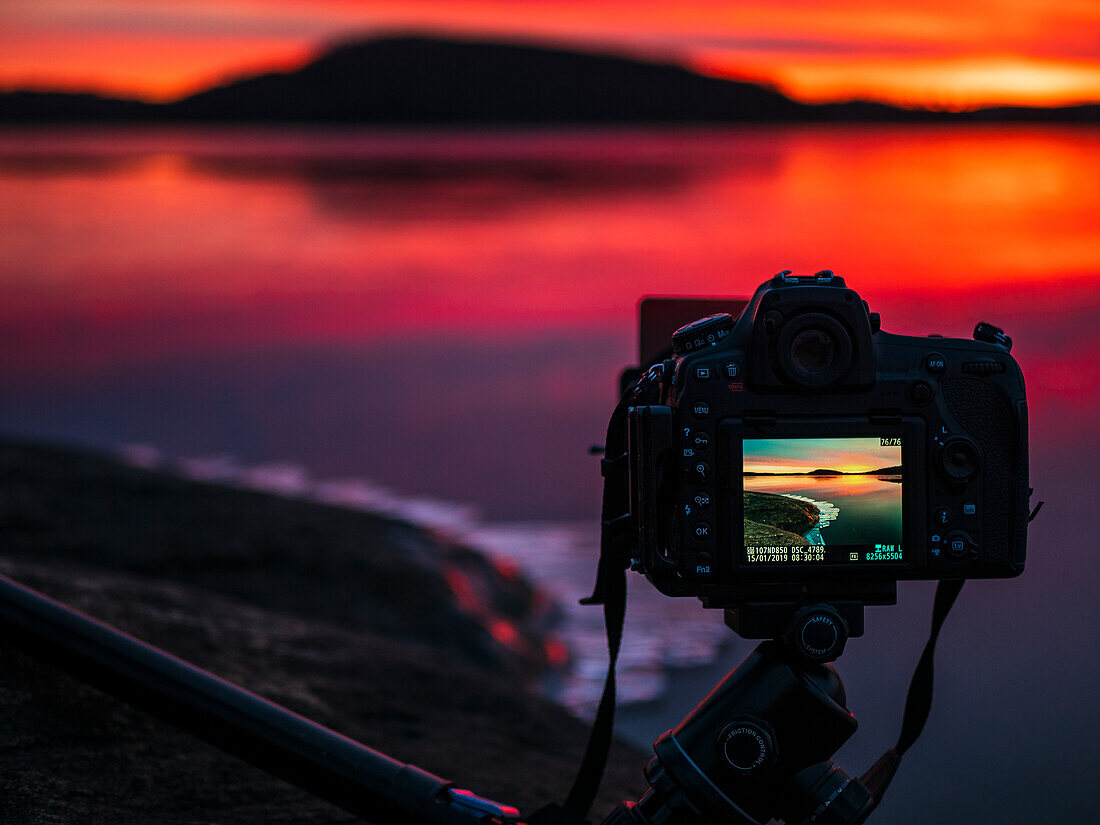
x=822, y=500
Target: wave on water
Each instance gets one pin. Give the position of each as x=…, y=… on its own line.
x=559, y=558
x=828, y=513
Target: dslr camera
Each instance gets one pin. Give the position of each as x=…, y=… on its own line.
x=800, y=454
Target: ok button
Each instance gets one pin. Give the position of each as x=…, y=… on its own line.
x=702, y=531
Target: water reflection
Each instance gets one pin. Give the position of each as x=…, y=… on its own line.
x=252, y=260
x=446, y=315
x=855, y=509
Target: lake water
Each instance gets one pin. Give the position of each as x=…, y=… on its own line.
x=434, y=324
x=861, y=509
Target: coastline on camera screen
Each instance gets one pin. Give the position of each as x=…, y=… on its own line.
x=822, y=500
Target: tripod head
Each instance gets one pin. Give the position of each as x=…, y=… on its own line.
x=813, y=632
x=760, y=745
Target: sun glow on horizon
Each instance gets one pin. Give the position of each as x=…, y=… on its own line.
x=952, y=84
x=858, y=454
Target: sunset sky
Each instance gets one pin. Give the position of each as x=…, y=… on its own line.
x=803, y=455
x=938, y=53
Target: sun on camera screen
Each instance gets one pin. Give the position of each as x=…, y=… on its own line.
x=822, y=500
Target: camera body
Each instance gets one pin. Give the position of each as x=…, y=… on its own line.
x=800, y=453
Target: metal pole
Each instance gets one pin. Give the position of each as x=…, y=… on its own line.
x=333, y=767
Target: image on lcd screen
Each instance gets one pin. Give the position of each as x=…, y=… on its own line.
x=824, y=500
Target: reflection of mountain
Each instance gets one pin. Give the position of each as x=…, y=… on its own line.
x=883, y=471
x=427, y=80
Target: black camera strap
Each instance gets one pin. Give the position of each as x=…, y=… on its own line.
x=918, y=701
x=616, y=535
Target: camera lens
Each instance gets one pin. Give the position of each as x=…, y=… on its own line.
x=814, y=350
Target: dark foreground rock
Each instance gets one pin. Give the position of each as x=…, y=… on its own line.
x=401, y=667
x=776, y=519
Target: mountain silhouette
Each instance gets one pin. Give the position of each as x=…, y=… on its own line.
x=426, y=80
x=422, y=80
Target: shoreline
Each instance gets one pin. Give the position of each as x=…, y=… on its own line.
x=346, y=617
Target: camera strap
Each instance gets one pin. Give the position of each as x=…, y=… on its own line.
x=616, y=537
x=918, y=701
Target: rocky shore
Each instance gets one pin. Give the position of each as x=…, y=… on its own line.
x=776, y=519
x=409, y=643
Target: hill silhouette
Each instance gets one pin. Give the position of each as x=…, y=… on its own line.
x=422, y=80
x=821, y=471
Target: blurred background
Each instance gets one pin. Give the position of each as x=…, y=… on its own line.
x=388, y=254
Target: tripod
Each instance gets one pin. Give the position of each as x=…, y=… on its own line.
x=760, y=745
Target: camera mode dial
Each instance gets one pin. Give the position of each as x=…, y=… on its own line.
x=702, y=333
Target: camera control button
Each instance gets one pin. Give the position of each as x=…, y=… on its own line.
x=703, y=373
x=701, y=500
x=960, y=458
x=969, y=508
x=960, y=544
x=706, y=332
x=943, y=515
x=935, y=363
x=700, y=471
x=921, y=392
x=983, y=367
x=731, y=369
x=700, y=410
x=700, y=439
x=747, y=745
x=701, y=531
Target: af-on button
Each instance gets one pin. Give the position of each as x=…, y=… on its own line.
x=935, y=363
